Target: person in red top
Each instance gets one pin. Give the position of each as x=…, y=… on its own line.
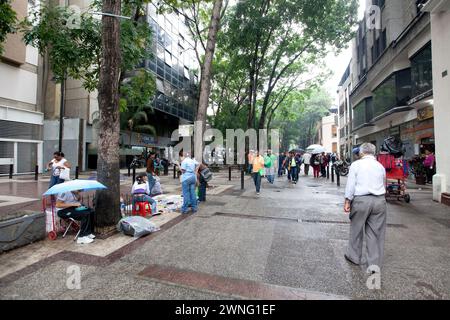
x=429, y=164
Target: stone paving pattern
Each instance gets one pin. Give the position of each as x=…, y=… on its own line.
x=287, y=243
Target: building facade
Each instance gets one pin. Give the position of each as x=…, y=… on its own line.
x=328, y=133
x=175, y=68
x=21, y=114
x=392, y=77
x=345, y=115
x=440, y=34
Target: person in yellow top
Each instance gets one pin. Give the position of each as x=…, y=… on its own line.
x=257, y=167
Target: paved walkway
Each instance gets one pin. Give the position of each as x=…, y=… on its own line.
x=287, y=243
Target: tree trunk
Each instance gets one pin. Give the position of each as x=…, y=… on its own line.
x=108, y=170
x=205, y=81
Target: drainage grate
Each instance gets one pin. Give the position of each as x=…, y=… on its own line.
x=325, y=221
x=253, y=217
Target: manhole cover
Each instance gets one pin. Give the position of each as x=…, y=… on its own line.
x=313, y=185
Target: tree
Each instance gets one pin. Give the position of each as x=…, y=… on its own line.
x=7, y=21
x=279, y=41
x=103, y=55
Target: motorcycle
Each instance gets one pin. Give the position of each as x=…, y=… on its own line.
x=342, y=167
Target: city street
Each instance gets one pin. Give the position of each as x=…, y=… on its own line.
x=287, y=243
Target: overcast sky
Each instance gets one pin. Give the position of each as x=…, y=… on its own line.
x=339, y=63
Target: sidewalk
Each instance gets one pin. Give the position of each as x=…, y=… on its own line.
x=287, y=243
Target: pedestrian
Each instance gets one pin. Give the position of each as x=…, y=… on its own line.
x=202, y=183
x=68, y=205
x=306, y=162
x=429, y=164
x=366, y=203
x=257, y=168
x=315, y=164
x=57, y=164
x=250, y=156
x=298, y=162
x=323, y=164
x=151, y=171
x=140, y=191
x=269, y=165
x=293, y=168
x=189, y=170
x=281, y=159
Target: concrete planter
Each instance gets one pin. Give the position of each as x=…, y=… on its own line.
x=21, y=229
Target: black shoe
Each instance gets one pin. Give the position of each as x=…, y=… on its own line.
x=350, y=260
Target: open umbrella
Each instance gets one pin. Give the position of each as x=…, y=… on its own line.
x=315, y=149
x=74, y=185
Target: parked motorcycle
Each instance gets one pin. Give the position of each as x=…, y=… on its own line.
x=342, y=167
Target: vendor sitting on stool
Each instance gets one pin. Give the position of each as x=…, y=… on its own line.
x=68, y=206
x=141, y=191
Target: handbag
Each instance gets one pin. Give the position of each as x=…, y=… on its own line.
x=206, y=174
x=64, y=174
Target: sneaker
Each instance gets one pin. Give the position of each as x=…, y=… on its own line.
x=91, y=236
x=257, y=193
x=84, y=240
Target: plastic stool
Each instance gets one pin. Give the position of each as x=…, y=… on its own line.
x=141, y=208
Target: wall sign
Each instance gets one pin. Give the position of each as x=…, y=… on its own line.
x=425, y=113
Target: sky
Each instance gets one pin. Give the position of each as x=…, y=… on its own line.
x=338, y=64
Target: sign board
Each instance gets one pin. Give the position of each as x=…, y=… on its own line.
x=186, y=130
x=6, y=161
x=425, y=113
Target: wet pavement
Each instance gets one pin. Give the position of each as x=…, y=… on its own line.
x=287, y=243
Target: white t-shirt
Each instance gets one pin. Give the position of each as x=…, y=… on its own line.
x=67, y=198
x=140, y=188
x=56, y=164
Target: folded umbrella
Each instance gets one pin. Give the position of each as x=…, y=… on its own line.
x=74, y=185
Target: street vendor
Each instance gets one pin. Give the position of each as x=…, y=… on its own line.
x=68, y=205
x=141, y=191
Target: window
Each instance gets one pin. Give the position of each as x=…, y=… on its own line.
x=186, y=73
x=421, y=72
x=393, y=92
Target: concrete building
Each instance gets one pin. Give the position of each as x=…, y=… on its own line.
x=328, y=133
x=21, y=112
x=392, y=78
x=440, y=35
x=345, y=115
x=176, y=71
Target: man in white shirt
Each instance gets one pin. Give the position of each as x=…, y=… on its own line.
x=306, y=161
x=365, y=201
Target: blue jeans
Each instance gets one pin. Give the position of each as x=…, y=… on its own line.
x=147, y=198
x=271, y=178
x=189, y=196
x=257, y=180
x=294, y=173
x=55, y=180
x=151, y=181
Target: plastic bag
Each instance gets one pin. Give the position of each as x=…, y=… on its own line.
x=393, y=146
x=65, y=174
x=136, y=226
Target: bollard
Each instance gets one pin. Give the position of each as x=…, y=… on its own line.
x=338, y=178
x=332, y=174
x=328, y=172
x=36, y=173
x=134, y=174
x=129, y=171
x=174, y=172
x=229, y=173
x=11, y=170
x=77, y=172
x=242, y=178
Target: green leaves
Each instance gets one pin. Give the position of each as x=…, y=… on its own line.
x=7, y=21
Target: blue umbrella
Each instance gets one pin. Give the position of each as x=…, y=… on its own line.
x=74, y=185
